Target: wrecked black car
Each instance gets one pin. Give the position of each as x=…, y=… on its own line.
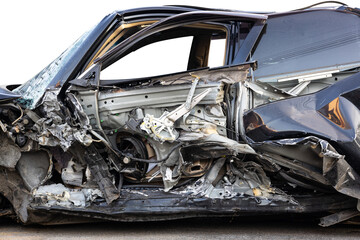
x=270, y=127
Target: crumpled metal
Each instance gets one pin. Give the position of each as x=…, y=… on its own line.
x=10, y=152
x=335, y=171
x=53, y=129
x=59, y=195
x=228, y=143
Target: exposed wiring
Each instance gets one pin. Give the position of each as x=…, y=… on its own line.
x=21, y=115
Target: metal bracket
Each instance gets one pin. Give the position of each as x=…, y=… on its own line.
x=181, y=110
x=162, y=129
x=191, y=92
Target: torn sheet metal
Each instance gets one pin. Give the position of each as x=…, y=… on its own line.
x=53, y=129
x=331, y=114
x=339, y=173
x=10, y=152
x=59, y=195
x=79, y=119
x=230, y=144
x=161, y=129
x=170, y=169
x=314, y=159
x=72, y=174
x=198, y=156
x=205, y=185
x=234, y=178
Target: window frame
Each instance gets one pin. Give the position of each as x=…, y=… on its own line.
x=211, y=27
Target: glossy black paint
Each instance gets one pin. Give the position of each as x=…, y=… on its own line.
x=6, y=95
x=332, y=114
x=183, y=19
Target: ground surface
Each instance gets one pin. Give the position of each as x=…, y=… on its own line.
x=245, y=228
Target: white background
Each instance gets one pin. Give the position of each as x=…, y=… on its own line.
x=33, y=33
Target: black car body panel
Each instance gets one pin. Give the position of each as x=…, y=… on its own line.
x=271, y=129
x=6, y=95
x=331, y=114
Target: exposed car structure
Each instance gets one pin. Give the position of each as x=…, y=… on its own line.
x=273, y=129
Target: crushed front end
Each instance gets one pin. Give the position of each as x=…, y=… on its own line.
x=198, y=143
